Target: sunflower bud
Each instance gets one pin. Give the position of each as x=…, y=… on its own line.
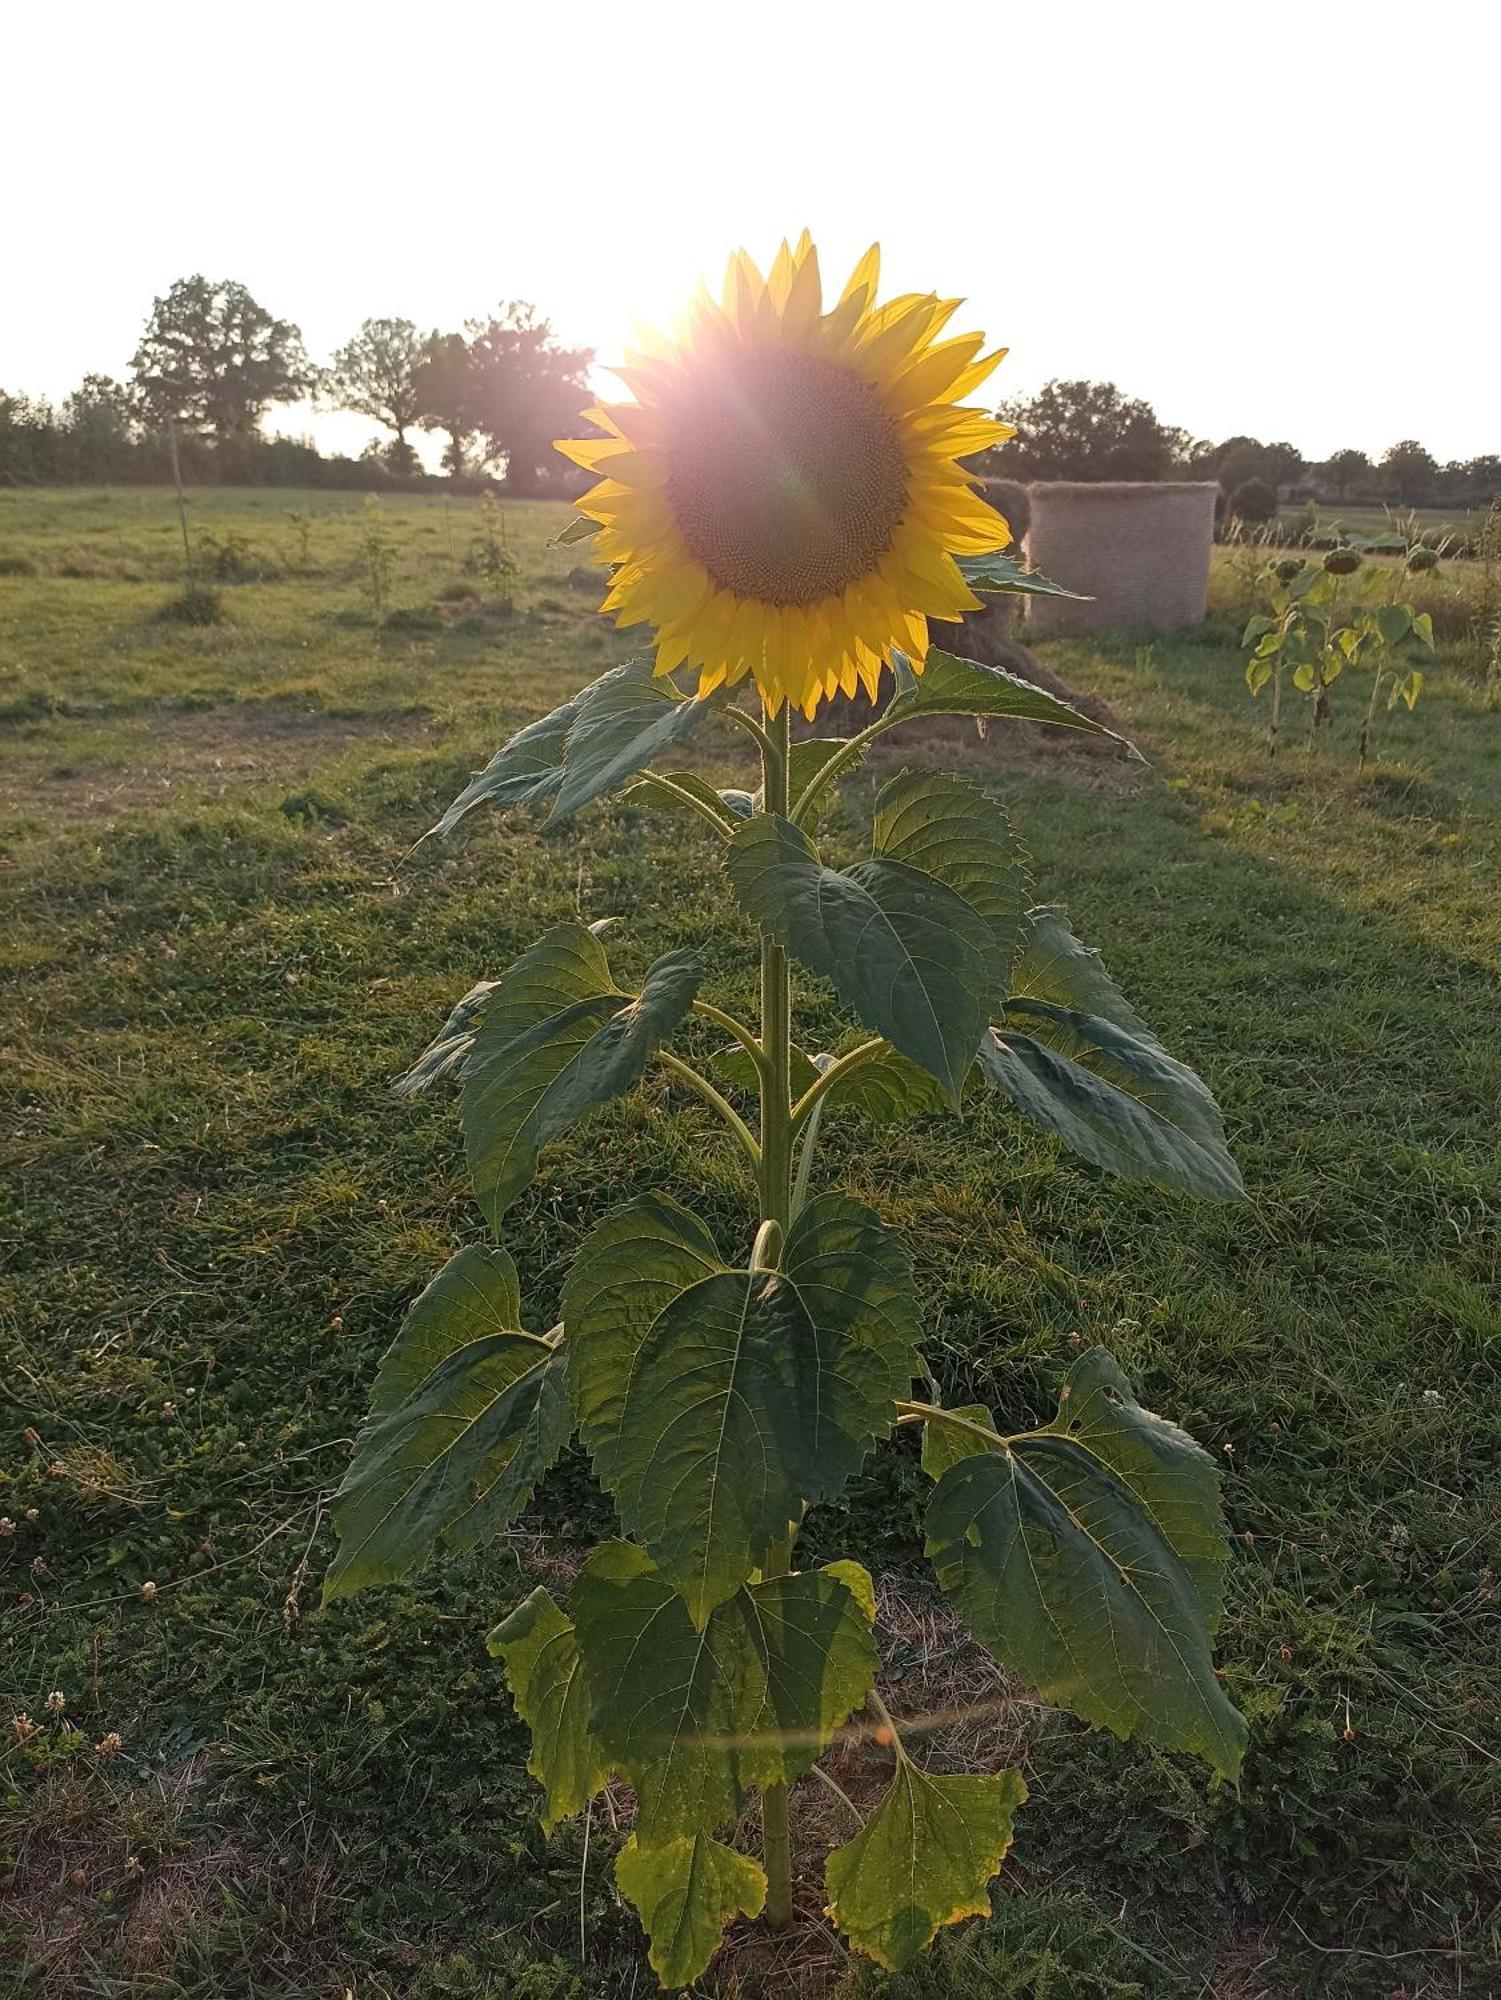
x=1342, y=562
x=1287, y=568
x=1422, y=558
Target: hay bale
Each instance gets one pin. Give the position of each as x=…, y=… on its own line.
x=1140, y=549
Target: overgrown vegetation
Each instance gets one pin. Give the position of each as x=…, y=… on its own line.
x=214, y=1226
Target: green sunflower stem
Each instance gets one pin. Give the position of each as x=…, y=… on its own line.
x=776, y=1207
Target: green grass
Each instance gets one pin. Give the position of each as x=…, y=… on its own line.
x=214, y=1213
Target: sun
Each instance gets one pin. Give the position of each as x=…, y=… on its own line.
x=785, y=497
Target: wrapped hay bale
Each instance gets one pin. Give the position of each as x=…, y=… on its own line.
x=1139, y=549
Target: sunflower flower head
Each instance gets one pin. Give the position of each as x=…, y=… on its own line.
x=785, y=497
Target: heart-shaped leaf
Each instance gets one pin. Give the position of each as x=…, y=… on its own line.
x=1086, y=1557
x=685, y=1892
x=718, y=1402
x=1054, y=967
x=693, y=1716
x=468, y=1412
x=953, y=831
x=907, y=955
x=539, y=1648
x=925, y=1857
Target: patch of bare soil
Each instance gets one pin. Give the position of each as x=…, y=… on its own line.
x=216, y=754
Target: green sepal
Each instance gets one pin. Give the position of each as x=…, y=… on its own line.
x=685, y=1892
x=467, y=1413
x=693, y=1716
x=907, y=954
x=718, y=1402
x=539, y=1650
x=925, y=1858
x=1087, y=1557
x=558, y=1040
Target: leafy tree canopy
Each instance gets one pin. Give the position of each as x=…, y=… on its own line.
x=377, y=374
x=1086, y=430
x=212, y=359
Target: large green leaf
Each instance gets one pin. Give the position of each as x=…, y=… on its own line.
x=718, y=1402
x=888, y=1088
x=692, y=1717
x=531, y=1074
x=606, y=733
x=1055, y=968
x=1001, y=575
x=951, y=686
x=540, y=1651
x=907, y=954
x=626, y=720
x=1086, y=1557
x=1115, y=1097
x=467, y=1414
x=685, y=1892
x=925, y=1857
x=951, y=829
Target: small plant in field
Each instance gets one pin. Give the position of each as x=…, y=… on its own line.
x=723, y=1383
x=228, y=559
x=199, y=604
x=302, y=530
x=377, y=559
x=490, y=557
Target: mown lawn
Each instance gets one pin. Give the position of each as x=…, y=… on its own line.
x=214, y=1213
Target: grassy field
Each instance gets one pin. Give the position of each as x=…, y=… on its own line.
x=214, y=1213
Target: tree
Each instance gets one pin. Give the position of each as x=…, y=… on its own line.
x=377, y=375
x=1254, y=502
x=1347, y=471
x=444, y=385
x=1483, y=475
x=212, y=359
x=99, y=429
x=523, y=390
x=1408, y=471
x=1086, y=430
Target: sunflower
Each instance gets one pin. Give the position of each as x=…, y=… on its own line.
x=784, y=497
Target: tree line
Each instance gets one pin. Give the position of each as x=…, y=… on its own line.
x=212, y=361
x=1090, y=430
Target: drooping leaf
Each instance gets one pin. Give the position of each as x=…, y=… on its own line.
x=524, y=772
x=951, y=686
x=1054, y=967
x=628, y=718
x=1085, y=1557
x=693, y=1717
x=1001, y=575
x=944, y=1444
x=540, y=1652
x=685, y=1892
x=952, y=830
x=906, y=954
x=925, y=1857
x=606, y=733
x=529, y=1079
x=647, y=792
x=718, y=1402
x=467, y=1414
x=1120, y=1101
x=453, y=1043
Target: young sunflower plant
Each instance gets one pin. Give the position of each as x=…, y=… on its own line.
x=784, y=503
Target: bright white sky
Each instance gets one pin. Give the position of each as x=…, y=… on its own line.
x=1274, y=218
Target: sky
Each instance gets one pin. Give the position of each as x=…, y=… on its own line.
x=1273, y=219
